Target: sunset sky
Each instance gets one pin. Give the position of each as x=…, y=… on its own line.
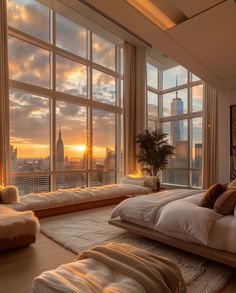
x=30, y=114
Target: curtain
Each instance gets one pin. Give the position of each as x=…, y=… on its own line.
x=210, y=136
x=129, y=110
x=4, y=92
x=134, y=108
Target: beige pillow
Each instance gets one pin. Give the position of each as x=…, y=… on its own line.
x=232, y=185
x=225, y=204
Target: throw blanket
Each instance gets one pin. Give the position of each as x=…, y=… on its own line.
x=113, y=268
x=154, y=273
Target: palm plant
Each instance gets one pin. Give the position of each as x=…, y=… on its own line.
x=154, y=150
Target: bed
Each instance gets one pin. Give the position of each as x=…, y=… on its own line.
x=174, y=217
x=114, y=267
x=63, y=201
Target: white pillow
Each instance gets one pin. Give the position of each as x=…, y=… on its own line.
x=10, y=195
x=232, y=185
x=186, y=221
x=147, y=181
x=132, y=181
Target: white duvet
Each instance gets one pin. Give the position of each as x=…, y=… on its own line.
x=145, y=210
x=176, y=213
x=69, y=278
x=65, y=197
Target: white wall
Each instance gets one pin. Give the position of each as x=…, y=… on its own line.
x=223, y=125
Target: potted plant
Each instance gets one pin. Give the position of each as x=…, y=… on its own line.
x=154, y=150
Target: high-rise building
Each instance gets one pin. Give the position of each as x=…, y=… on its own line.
x=176, y=127
x=13, y=158
x=60, y=159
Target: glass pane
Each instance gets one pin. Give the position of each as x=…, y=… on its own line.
x=174, y=76
x=31, y=17
x=121, y=93
x=197, y=178
x=197, y=98
x=197, y=151
x=100, y=178
x=70, y=36
x=104, y=157
x=104, y=88
x=152, y=104
x=151, y=124
x=178, y=137
x=176, y=177
x=175, y=103
x=71, y=77
x=195, y=77
x=121, y=61
x=32, y=184
x=28, y=63
x=71, y=121
x=29, y=132
x=152, y=76
x=71, y=180
x=103, y=52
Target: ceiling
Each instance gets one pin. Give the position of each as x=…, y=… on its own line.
x=204, y=40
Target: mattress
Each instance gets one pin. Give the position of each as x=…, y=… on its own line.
x=73, y=196
x=101, y=276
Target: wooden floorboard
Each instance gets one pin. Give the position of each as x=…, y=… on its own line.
x=18, y=268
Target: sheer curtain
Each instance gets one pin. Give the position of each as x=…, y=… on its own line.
x=210, y=137
x=4, y=92
x=134, y=111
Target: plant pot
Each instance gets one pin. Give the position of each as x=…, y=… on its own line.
x=158, y=188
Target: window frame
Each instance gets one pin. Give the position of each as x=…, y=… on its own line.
x=88, y=102
x=189, y=115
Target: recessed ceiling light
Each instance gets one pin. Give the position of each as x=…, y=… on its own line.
x=153, y=13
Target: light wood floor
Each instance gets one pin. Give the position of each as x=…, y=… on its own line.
x=20, y=267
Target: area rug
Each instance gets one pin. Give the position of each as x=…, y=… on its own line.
x=82, y=230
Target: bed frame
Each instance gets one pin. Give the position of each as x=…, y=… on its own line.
x=78, y=207
x=224, y=257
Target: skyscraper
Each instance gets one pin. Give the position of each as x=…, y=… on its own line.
x=177, y=127
x=60, y=152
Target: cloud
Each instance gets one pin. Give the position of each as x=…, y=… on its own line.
x=30, y=17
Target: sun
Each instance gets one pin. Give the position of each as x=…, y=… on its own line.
x=82, y=148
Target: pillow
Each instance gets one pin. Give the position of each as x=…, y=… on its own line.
x=10, y=195
x=226, y=203
x=147, y=181
x=186, y=221
x=132, y=181
x=232, y=185
x=211, y=196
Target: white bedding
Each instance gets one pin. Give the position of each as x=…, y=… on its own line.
x=145, y=210
x=65, y=197
x=176, y=213
x=223, y=234
x=184, y=219
x=100, y=278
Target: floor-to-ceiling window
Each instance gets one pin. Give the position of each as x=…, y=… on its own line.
x=65, y=100
x=174, y=102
